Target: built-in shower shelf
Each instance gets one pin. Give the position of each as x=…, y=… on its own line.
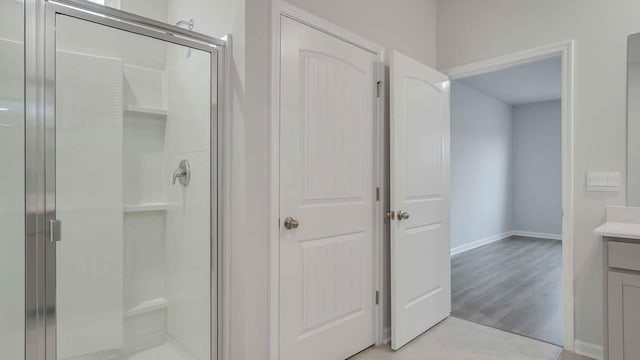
x=148, y=306
x=149, y=110
x=146, y=207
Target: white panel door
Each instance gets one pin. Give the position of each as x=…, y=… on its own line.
x=326, y=184
x=420, y=262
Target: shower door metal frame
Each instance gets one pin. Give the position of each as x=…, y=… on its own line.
x=40, y=157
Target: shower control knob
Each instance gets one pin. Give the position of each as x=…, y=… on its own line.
x=182, y=173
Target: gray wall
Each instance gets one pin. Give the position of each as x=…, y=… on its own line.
x=506, y=167
x=537, y=168
x=480, y=166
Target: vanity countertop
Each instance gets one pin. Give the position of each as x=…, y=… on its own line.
x=622, y=222
x=619, y=230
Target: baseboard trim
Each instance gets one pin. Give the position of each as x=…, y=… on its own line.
x=537, y=235
x=481, y=242
x=386, y=335
x=588, y=349
x=494, y=238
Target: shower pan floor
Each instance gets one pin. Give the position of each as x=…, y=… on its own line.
x=167, y=351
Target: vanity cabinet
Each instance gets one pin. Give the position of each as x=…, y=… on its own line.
x=623, y=299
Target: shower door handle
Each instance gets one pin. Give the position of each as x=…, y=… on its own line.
x=55, y=230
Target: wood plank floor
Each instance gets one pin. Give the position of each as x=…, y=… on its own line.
x=514, y=285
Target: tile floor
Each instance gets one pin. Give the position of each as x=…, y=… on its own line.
x=170, y=350
x=457, y=339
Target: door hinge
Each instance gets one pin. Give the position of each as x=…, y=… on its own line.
x=377, y=297
x=379, y=88
x=377, y=194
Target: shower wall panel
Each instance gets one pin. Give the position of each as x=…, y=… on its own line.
x=188, y=218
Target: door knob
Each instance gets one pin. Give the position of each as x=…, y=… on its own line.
x=291, y=223
x=403, y=215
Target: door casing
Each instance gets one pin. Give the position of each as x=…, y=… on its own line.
x=40, y=309
x=280, y=8
x=565, y=50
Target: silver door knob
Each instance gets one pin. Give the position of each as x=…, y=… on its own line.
x=291, y=223
x=403, y=215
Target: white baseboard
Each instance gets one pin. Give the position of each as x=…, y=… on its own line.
x=494, y=238
x=537, y=235
x=478, y=243
x=386, y=335
x=590, y=350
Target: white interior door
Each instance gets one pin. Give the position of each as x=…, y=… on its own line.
x=327, y=120
x=420, y=261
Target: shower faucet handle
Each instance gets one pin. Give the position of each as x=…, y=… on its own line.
x=182, y=173
x=179, y=173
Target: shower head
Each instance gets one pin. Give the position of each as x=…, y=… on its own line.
x=190, y=24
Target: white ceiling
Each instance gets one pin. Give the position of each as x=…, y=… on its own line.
x=522, y=84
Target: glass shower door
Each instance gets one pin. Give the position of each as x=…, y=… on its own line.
x=133, y=129
x=12, y=181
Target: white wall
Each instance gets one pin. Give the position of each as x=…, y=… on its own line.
x=469, y=31
x=408, y=26
x=481, y=140
x=537, y=168
x=249, y=185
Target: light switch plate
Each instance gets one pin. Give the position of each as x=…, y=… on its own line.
x=603, y=181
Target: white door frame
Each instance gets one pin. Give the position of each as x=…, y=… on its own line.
x=564, y=49
x=282, y=8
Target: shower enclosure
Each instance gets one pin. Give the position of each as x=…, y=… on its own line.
x=108, y=197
